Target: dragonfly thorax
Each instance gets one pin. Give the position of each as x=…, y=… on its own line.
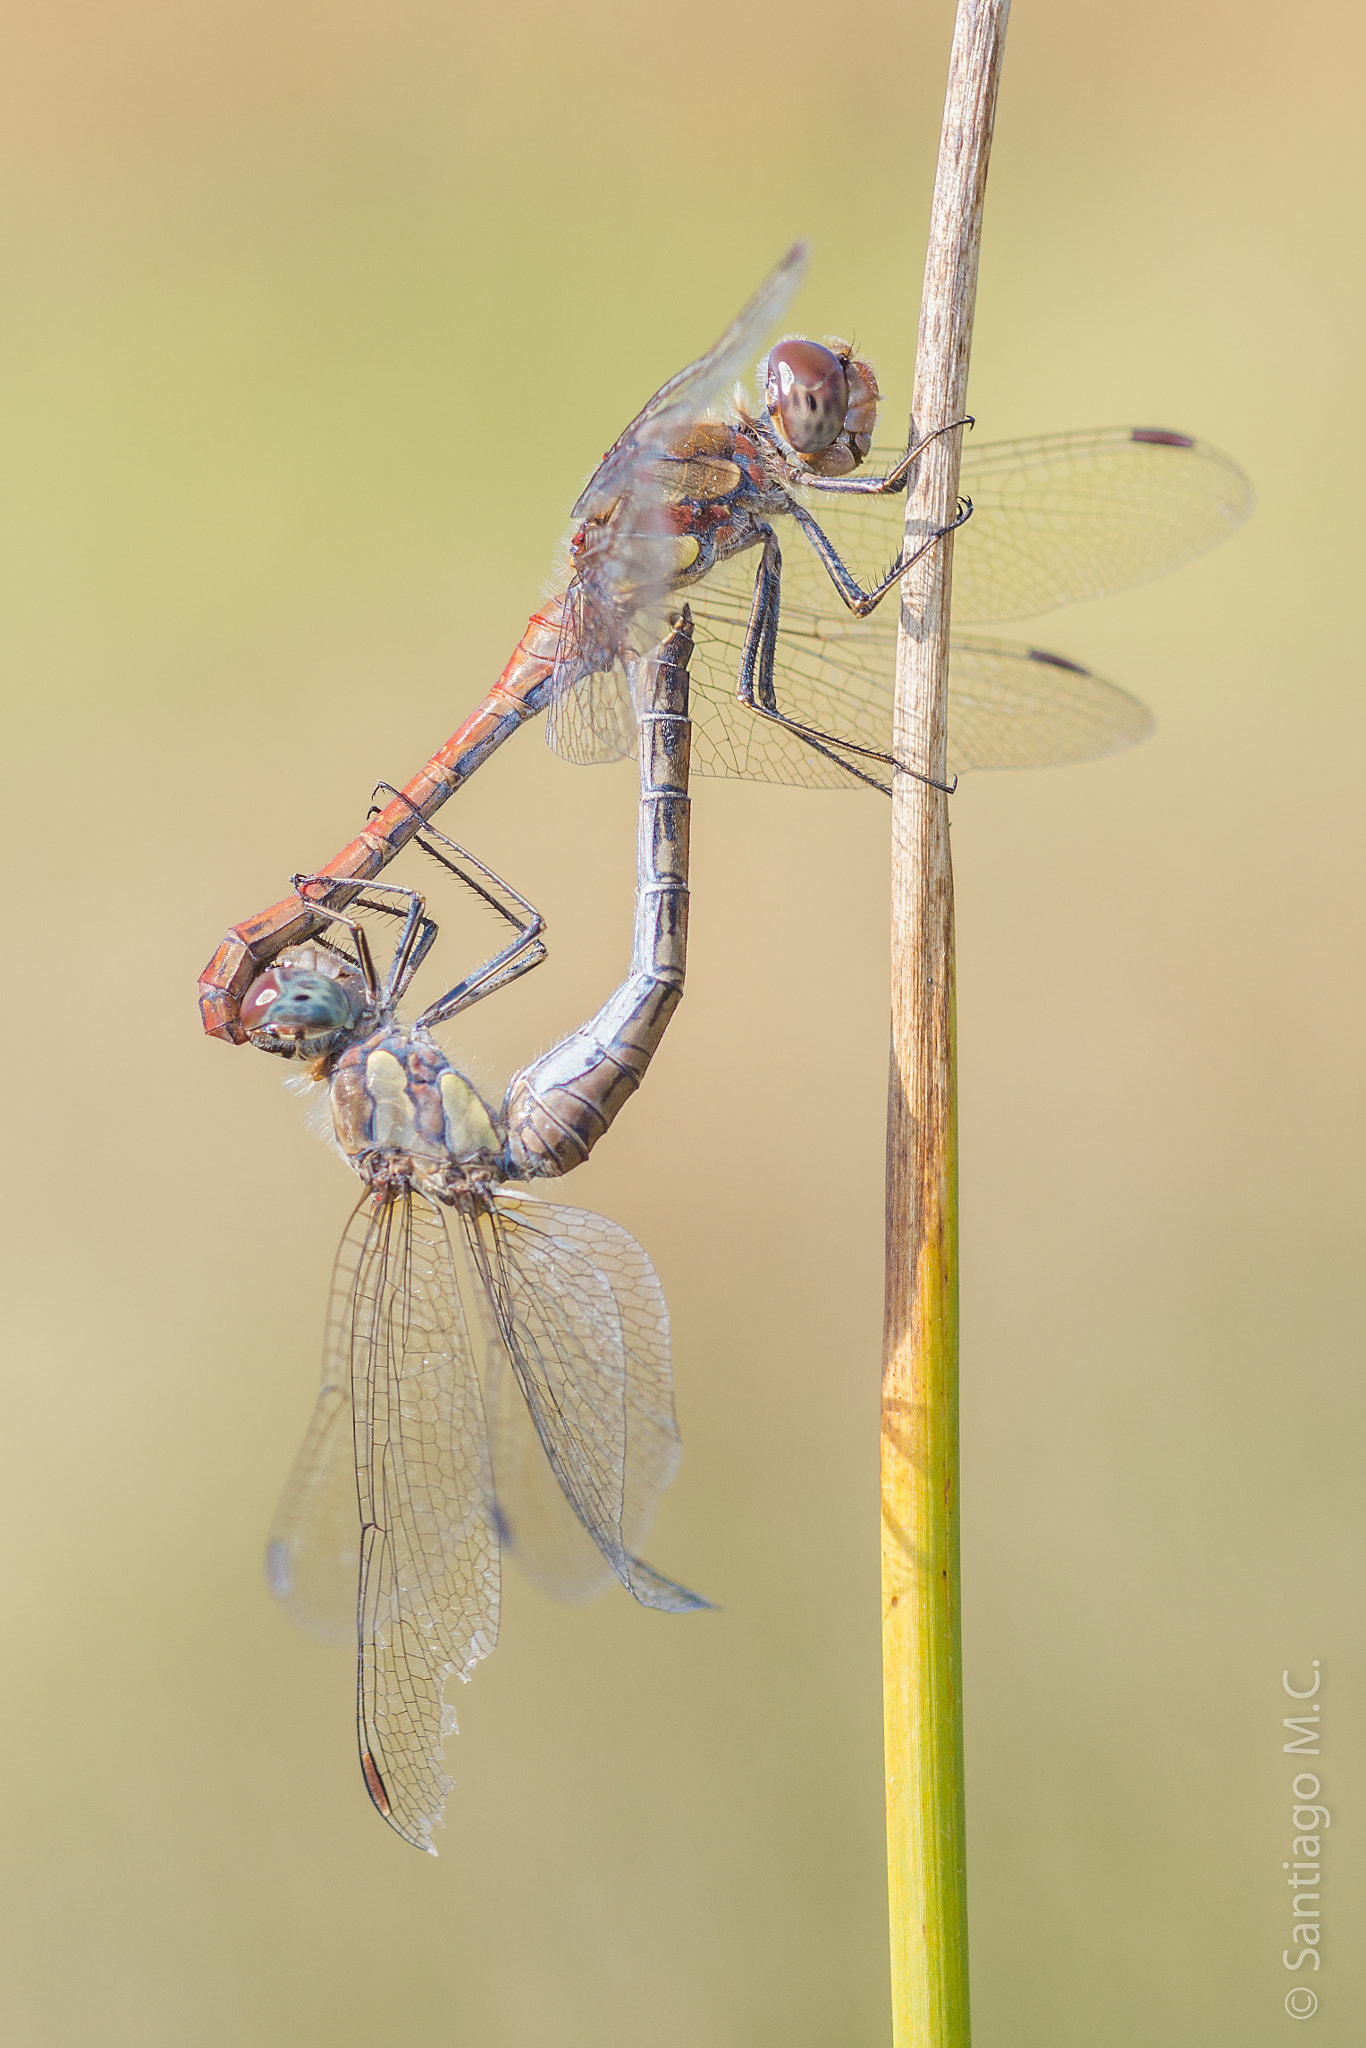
x=402, y=1113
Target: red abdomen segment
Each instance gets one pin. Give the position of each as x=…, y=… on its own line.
x=519, y=694
x=558, y=1108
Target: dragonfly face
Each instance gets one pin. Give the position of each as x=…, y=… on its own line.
x=806, y=395
x=306, y=1002
x=821, y=403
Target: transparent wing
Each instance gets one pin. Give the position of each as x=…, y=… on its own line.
x=400, y=1417
x=1009, y=707
x=591, y=719
x=617, y=601
x=1021, y=707
x=1056, y=518
x=313, y=1549
x=1072, y=516
x=823, y=680
x=692, y=391
x=539, y=1529
x=582, y=1318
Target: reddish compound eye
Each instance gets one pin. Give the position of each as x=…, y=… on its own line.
x=806, y=392
x=258, y=999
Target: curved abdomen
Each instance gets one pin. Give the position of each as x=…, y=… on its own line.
x=558, y=1108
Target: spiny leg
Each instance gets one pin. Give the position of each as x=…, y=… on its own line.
x=862, y=602
x=523, y=952
x=756, y=688
x=515, y=960
x=414, y=943
x=432, y=844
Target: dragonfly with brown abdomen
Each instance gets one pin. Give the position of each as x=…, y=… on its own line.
x=423, y=1463
x=793, y=665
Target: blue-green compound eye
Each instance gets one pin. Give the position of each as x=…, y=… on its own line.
x=296, y=1009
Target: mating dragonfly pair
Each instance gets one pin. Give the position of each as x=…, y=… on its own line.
x=424, y=1459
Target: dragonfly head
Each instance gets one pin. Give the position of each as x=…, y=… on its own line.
x=822, y=403
x=305, y=1003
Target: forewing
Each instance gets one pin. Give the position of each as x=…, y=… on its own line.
x=582, y=1317
x=629, y=555
x=1061, y=517
x=1009, y=706
x=692, y=391
x=428, y=1582
x=1055, y=519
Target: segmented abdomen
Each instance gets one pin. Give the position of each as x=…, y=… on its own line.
x=558, y=1108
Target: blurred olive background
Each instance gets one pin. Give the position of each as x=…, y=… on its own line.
x=315, y=317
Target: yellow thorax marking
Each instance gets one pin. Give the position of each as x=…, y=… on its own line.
x=386, y=1083
x=699, y=477
x=469, y=1127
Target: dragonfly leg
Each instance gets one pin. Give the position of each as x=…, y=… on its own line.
x=523, y=952
x=757, y=692
x=493, y=888
x=895, y=480
x=414, y=943
x=520, y=693
x=860, y=601
x=514, y=960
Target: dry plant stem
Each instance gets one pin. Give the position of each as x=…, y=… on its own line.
x=921, y=1634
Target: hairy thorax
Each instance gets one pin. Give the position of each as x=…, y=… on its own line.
x=402, y=1113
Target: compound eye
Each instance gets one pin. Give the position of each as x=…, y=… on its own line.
x=258, y=1000
x=806, y=392
x=296, y=1006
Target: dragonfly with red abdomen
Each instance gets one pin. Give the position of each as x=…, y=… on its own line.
x=422, y=1463
x=793, y=664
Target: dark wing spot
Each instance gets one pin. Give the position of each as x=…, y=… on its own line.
x=1161, y=437
x=374, y=1784
x=1058, y=661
